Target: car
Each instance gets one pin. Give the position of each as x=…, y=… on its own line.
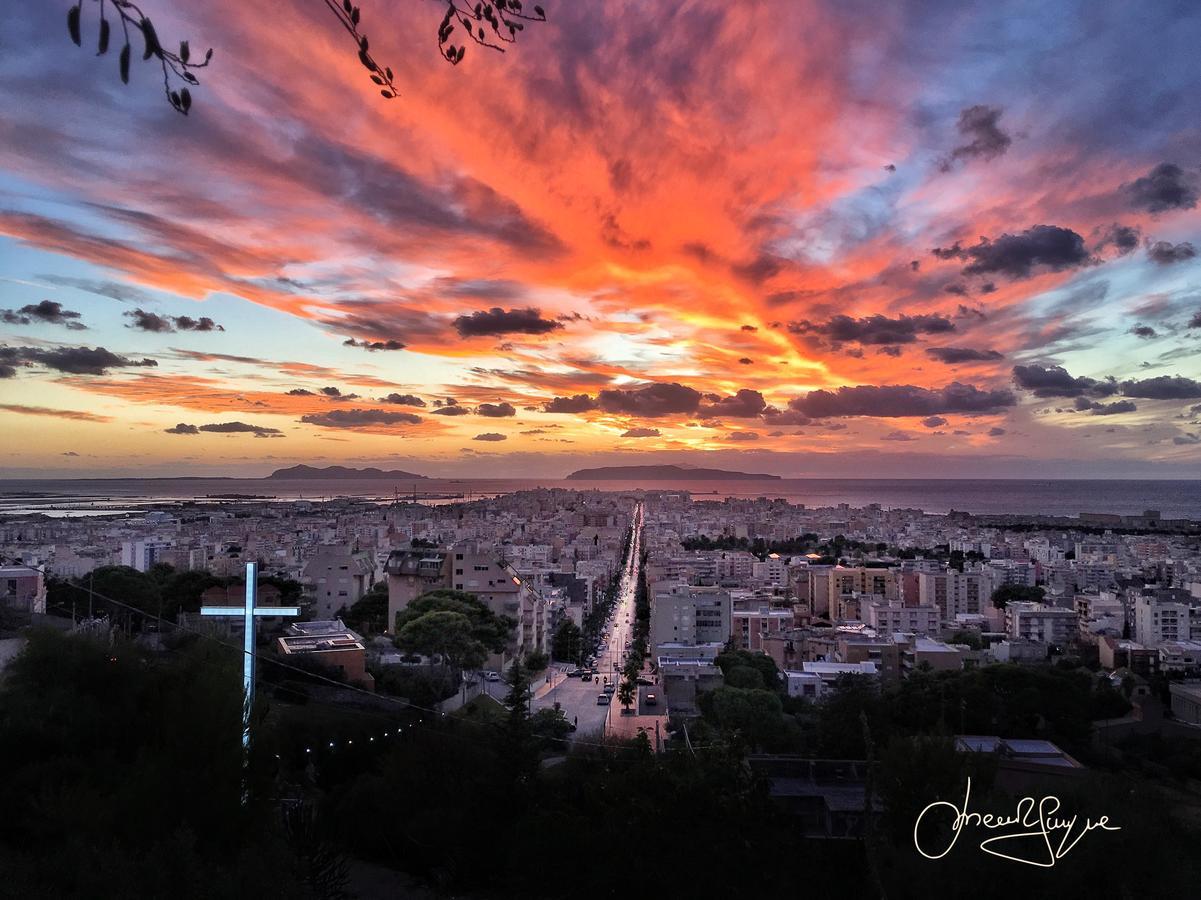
x=610, y=688
x=643, y=680
x=651, y=699
x=491, y=676
x=603, y=700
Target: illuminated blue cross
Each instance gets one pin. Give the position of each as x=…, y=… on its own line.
x=248, y=611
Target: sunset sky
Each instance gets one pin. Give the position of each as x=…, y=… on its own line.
x=845, y=238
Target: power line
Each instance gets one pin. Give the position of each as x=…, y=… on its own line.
x=405, y=704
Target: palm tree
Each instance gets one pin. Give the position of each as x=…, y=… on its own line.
x=625, y=692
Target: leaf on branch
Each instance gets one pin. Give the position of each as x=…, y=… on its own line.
x=153, y=48
x=102, y=47
x=73, y=25
x=125, y=64
x=184, y=51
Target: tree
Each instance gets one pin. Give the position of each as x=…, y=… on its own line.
x=536, y=661
x=490, y=25
x=1010, y=593
x=626, y=692
x=568, y=642
x=489, y=629
x=127, y=586
x=369, y=615
x=769, y=674
x=448, y=635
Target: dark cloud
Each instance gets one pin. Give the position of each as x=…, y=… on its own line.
x=1195, y=321
x=453, y=409
x=1165, y=253
x=358, y=418
x=900, y=400
x=374, y=345
x=1056, y=381
x=875, y=329
x=996, y=431
x=579, y=403
x=331, y=392
x=1165, y=187
x=651, y=401
x=144, y=320
x=773, y=416
x=490, y=436
x=403, y=400
x=746, y=404
x=743, y=436
x=238, y=428
x=983, y=138
x=746, y=361
x=478, y=288
x=301, y=392
x=641, y=433
x=1047, y=247
x=1163, y=387
x=71, y=360
x=748, y=328
x=1112, y=409
x=182, y=428
x=148, y=321
x=897, y=436
x=204, y=323
x=114, y=290
x=496, y=410
x=934, y=421
x=47, y=311
x=1144, y=331
x=1123, y=238
x=954, y=355
x=759, y=269
x=1183, y=439
x=497, y=321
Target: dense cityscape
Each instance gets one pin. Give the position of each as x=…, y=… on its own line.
x=1051, y=655
x=657, y=448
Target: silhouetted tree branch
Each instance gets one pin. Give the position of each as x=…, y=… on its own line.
x=132, y=19
x=487, y=24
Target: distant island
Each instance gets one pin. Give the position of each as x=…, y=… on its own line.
x=664, y=473
x=296, y=473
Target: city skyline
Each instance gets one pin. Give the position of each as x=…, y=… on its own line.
x=942, y=239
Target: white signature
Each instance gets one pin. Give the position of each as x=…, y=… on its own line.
x=1037, y=818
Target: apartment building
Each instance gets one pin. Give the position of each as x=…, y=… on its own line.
x=336, y=577
x=688, y=614
x=887, y=616
x=955, y=592
x=1037, y=622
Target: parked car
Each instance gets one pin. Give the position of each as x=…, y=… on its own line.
x=610, y=688
x=642, y=679
x=651, y=699
x=602, y=700
x=491, y=676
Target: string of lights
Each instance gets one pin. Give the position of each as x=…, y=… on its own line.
x=401, y=703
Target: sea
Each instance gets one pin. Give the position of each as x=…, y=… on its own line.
x=84, y=497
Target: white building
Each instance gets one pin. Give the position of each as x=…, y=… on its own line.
x=1036, y=622
x=684, y=614
x=887, y=616
x=816, y=679
x=143, y=554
